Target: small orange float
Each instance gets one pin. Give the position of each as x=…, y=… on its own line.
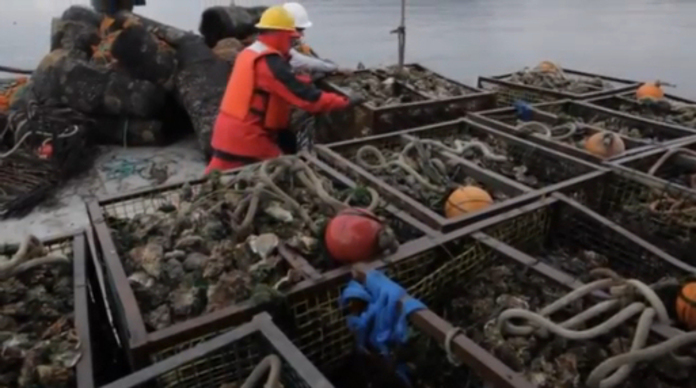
x=547, y=67
x=686, y=304
x=466, y=199
x=605, y=144
x=650, y=91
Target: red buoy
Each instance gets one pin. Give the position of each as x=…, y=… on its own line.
x=353, y=236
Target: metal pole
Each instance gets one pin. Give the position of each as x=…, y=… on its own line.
x=401, y=33
x=402, y=36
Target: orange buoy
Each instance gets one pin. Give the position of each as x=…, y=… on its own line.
x=547, y=67
x=605, y=144
x=467, y=199
x=686, y=304
x=353, y=236
x=650, y=91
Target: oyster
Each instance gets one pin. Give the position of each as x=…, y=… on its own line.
x=210, y=246
x=39, y=345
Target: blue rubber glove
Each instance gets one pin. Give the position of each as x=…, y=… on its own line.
x=523, y=110
x=381, y=324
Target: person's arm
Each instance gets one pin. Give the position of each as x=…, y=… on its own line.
x=306, y=62
x=275, y=76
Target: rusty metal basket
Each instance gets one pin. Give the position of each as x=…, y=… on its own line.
x=675, y=165
x=421, y=109
x=520, y=234
x=144, y=347
x=556, y=113
x=507, y=93
x=75, y=245
x=626, y=104
x=651, y=209
x=230, y=358
x=567, y=235
x=550, y=169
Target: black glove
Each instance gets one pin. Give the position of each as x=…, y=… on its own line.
x=355, y=99
x=287, y=141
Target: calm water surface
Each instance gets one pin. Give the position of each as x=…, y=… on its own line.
x=638, y=39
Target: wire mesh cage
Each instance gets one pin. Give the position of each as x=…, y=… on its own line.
x=136, y=310
x=510, y=88
x=485, y=277
x=419, y=97
x=675, y=165
x=319, y=321
x=568, y=124
x=659, y=213
x=60, y=321
x=566, y=235
x=510, y=176
x=230, y=358
x=673, y=111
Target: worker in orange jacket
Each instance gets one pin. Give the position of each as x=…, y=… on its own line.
x=261, y=90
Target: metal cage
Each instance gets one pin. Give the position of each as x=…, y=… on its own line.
x=639, y=136
x=651, y=209
x=144, y=347
x=507, y=93
x=229, y=358
x=74, y=245
x=626, y=104
x=471, y=251
x=674, y=165
x=549, y=170
x=369, y=119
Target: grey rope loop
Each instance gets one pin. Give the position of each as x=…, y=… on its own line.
x=544, y=130
x=449, y=337
x=597, y=377
x=622, y=292
x=432, y=167
x=271, y=365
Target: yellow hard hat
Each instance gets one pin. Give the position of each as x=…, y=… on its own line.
x=276, y=18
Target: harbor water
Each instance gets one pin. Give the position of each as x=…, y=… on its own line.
x=640, y=39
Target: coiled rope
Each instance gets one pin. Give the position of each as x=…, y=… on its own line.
x=264, y=177
x=624, y=292
x=47, y=117
x=655, y=167
x=430, y=166
x=535, y=127
x=271, y=365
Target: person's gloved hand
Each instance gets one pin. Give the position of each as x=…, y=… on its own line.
x=355, y=99
x=382, y=324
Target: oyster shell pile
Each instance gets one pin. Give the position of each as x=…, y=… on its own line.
x=559, y=81
x=666, y=111
x=430, y=83
x=510, y=168
x=212, y=247
x=39, y=345
x=443, y=173
x=575, y=262
x=550, y=363
x=617, y=125
x=377, y=91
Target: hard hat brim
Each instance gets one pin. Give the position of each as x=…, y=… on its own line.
x=265, y=27
x=305, y=25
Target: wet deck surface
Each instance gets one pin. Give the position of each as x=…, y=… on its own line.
x=638, y=39
x=116, y=171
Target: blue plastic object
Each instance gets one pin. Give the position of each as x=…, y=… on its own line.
x=523, y=110
x=382, y=324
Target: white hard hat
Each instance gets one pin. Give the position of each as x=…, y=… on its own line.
x=299, y=13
